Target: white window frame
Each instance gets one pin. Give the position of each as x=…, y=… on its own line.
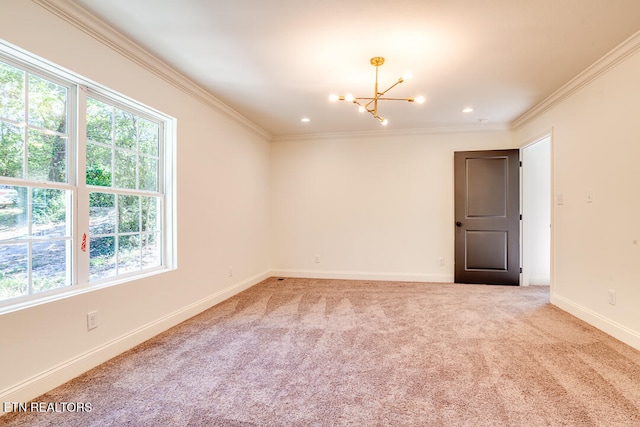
x=79, y=88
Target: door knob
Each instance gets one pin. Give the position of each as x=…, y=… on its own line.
x=458, y=224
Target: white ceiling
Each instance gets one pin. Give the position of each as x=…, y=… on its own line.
x=277, y=61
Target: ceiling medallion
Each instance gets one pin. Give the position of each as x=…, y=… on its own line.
x=370, y=105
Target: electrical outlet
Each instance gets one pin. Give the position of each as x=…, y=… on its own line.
x=441, y=261
x=92, y=320
x=317, y=259
x=230, y=271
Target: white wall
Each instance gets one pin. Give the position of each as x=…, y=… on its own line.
x=596, y=146
x=222, y=220
x=370, y=206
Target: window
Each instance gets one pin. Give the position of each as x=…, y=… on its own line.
x=122, y=170
x=83, y=180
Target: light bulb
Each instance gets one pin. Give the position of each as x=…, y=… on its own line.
x=361, y=109
x=349, y=97
x=419, y=99
x=384, y=122
x=407, y=75
x=333, y=97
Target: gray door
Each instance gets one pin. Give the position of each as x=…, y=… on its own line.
x=487, y=215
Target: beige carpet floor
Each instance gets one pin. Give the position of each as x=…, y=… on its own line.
x=303, y=352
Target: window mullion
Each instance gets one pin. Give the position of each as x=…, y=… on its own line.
x=82, y=243
x=25, y=129
x=29, y=240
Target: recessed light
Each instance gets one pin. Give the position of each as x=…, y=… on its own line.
x=484, y=121
x=305, y=120
x=467, y=110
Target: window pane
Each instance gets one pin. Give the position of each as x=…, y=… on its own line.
x=125, y=130
x=14, y=280
x=49, y=210
x=47, y=157
x=148, y=174
x=11, y=93
x=13, y=212
x=47, y=104
x=151, y=250
x=99, y=125
x=102, y=213
x=11, y=150
x=128, y=214
x=129, y=253
x=148, y=137
x=102, y=253
x=125, y=169
x=98, y=165
x=150, y=209
x=49, y=265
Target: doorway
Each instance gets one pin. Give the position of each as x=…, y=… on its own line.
x=536, y=212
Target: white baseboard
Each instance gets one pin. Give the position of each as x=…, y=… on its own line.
x=616, y=330
x=540, y=280
x=47, y=380
x=356, y=275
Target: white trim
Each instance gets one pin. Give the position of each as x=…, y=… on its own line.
x=531, y=141
x=359, y=275
x=81, y=19
x=542, y=281
x=65, y=371
x=606, y=325
x=620, y=53
x=398, y=132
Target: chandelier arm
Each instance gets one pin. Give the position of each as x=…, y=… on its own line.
x=375, y=115
x=355, y=101
x=390, y=87
x=370, y=111
x=397, y=99
x=378, y=95
x=388, y=99
x=369, y=103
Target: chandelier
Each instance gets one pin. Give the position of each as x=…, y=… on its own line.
x=370, y=105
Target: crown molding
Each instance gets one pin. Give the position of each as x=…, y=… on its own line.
x=89, y=24
x=80, y=18
x=620, y=53
x=392, y=133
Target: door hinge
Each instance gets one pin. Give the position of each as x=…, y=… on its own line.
x=520, y=269
x=520, y=217
x=520, y=164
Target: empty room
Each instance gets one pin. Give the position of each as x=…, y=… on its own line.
x=291, y=213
